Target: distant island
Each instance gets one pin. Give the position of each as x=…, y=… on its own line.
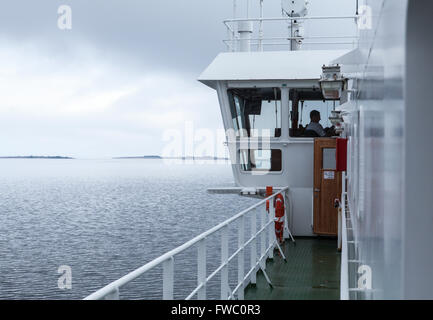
x=36, y=157
x=174, y=158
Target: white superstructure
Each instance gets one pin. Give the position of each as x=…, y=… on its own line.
x=287, y=75
x=380, y=84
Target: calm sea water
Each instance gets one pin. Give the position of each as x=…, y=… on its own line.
x=105, y=218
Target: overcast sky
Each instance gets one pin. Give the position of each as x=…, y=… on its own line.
x=110, y=86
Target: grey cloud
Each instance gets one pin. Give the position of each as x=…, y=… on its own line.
x=185, y=35
x=169, y=34
x=130, y=40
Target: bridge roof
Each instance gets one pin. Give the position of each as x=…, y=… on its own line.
x=268, y=65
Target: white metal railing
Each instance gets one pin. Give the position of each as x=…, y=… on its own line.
x=260, y=41
x=344, y=280
x=268, y=241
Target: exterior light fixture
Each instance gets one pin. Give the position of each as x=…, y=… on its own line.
x=331, y=82
x=337, y=121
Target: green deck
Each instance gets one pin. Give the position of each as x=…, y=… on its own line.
x=312, y=272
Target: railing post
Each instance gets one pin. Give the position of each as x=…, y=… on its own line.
x=339, y=239
x=168, y=279
x=341, y=210
x=263, y=214
x=271, y=228
x=287, y=215
x=234, y=43
x=224, y=261
x=230, y=37
x=253, y=254
x=241, y=242
x=201, y=269
x=261, y=27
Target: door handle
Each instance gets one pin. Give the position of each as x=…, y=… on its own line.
x=316, y=190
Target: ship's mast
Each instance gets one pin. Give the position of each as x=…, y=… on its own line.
x=245, y=29
x=293, y=9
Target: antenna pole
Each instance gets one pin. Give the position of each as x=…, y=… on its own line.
x=248, y=9
x=261, y=27
x=233, y=31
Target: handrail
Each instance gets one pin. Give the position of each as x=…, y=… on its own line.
x=260, y=41
x=112, y=290
x=344, y=280
x=290, y=18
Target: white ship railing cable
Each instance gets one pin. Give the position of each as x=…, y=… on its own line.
x=261, y=40
x=112, y=290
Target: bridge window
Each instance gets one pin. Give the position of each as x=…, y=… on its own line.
x=303, y=116
x=261, y=160
x=256, y=112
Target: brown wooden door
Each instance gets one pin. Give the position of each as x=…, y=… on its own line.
x=327, y=187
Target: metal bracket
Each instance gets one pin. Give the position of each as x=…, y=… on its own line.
x=266, y=277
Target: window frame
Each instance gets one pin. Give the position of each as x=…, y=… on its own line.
x=232, y=106
x=250, y=172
